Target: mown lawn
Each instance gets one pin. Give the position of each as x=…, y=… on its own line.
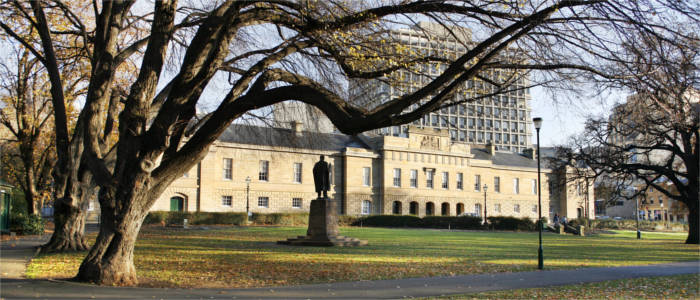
x=666, y=287
x=237, y=257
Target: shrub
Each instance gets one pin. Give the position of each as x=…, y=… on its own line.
x=463, y=222
x=512, y=223
x=156, y=217
x=388, y=221
x=345, y=220
x=281, y=219
x=27, y=225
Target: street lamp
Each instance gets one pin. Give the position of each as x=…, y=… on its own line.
x=636, y=204
x=247, y=199
x=540, y=258
x=485, y=188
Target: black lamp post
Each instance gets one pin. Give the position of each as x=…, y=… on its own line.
x=540, y=258
x=636, y=202
x=247, y=200
x=485, y=188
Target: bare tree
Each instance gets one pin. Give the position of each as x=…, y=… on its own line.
x=653, y=138
x=311, y=48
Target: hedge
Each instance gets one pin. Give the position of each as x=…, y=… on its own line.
x=512, y=223
x=632, y=225
x=463, y=222
x=224, y=218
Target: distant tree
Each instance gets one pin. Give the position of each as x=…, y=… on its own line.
x=26, y=115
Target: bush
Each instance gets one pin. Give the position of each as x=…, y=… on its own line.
x=345, y=220
x=388, y=221
x=463, y=222
x=27, y=225
x=156, y=217
x=512, y=223
x=281, y=219
x=632, y=225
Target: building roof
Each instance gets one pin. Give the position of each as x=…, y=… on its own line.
x=281, y=137
x=504, y=158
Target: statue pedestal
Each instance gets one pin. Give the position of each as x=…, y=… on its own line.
x=323, y=228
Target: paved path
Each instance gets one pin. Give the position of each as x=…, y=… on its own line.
x=15, y=254
x=13, y=260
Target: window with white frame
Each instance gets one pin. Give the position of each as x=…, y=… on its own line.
x=226, y=200
x=397, y=177
x=460, y=181
x=365, y=176
x=228, y=168
x=477, y=209
x=366, y=207
x=497, y=208
x=264, y=174
x=516, y=208
x=296, y=202
x=516, y=185
x=497, y=184
x=263, y=202
x=533, y=186
x=477, y=183
x=429, y=177
x=297, y=172
x=414, y=178
x=445, y=180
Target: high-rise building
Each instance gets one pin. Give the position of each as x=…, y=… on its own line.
x=501, y=119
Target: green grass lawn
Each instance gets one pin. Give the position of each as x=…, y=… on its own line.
x=667, y=287
x=237, y=257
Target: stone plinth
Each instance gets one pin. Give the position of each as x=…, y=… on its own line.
x=323, y=228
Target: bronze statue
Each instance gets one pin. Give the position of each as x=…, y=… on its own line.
x=322, y=177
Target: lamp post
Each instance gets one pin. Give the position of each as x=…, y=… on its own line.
x=485, y=188
x=636, y=204
x=540, y=258
x=247, y=199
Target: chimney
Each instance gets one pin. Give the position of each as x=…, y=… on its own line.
x=296, y=127
x=530, y=153
x=491, y=148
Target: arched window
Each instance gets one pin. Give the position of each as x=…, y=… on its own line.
x=460, y=208
x=396, y=208
x=177, y=203
x=445, y=209
x=429, y=209
x=413, y=208
x=366, y=207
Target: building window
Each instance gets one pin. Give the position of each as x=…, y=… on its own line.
x=534, y=208
x=429, y=179
x=365, y=176
x=366, y=207
x=414, y=178
x=186, y=174
x=445, y=180
x=497, y=184
x=397, y=177
x=516, y=208
x=296, y=202
x=477, y=183
x=533, y=185
x=297, y=172
x=228, y=168
x=263, y=202
x=226, y=200
x=497, y=208
x=516, y=186
x=264, y=170
x=460, y=181
x=477, y=209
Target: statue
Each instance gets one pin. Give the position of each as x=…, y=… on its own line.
x=322, y=177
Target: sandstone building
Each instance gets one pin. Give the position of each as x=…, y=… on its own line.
x=424, y=173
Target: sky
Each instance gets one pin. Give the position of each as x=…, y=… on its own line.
x=565, y=115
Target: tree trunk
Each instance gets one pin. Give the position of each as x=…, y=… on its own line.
x=111, y=259
x=693, y=222
x=69, y=232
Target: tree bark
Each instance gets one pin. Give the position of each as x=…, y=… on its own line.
x=69, y=232
x=693, y=222
x=111, y=259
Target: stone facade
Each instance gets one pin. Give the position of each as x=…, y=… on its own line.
x=370, y=175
